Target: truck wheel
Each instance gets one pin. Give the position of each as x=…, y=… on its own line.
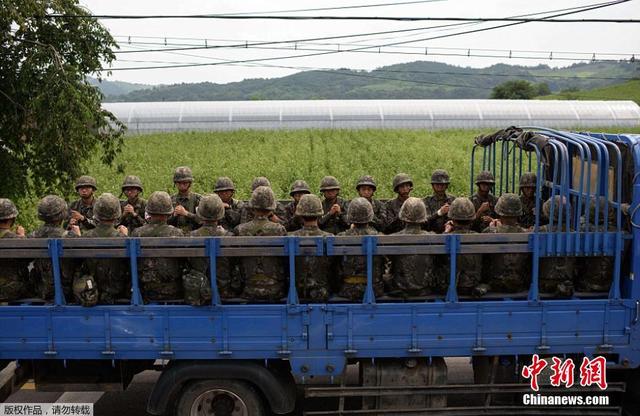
x=219, y=398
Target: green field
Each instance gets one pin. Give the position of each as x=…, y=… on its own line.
x=284, y=156
x=629, y=90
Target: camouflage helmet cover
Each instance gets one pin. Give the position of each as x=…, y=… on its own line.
x=413, y=211
x=132, y=181
x=360, y=211
x=85, y=290
x=182, y=174
x=52, y=208
x=401, y=179
x=159, y=203
x=299, y=186
x=309, y=206
x=601, y=202
x=366, y=180
x=528, y=180
x=329, y=183
x=462, y=209
x=440, y=176
x=224, y=183
x=259, y=181
x=558, y=201
x=85, y=180
x=8, y=209
x=485, y=177
x=263, y=198
x=210, y=208
x=509, y=205
x=107, y=208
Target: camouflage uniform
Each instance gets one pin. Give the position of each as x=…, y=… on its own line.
x=528, y=217
x=434, y=202
x=393, y=224
x=130, y=221
x=13, y=273
x=264, y=277
x=413, y=275
x=160, y=278
x=353, y=269
x=333, y=224
x=190, y=202
x=596, y=273
x=231, y=214
x=478, y=200
x=293, y=222
x=86, y=210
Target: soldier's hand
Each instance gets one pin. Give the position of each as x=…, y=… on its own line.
x=180, y=210
x=128, y=210
x=335, y=209
x=225, y=205
x=484, y=208
x=75, y=215
x=444, y=210
x=123, y=230
x=75, y=230
x=495, y=223
x=448, y=226
x=274, y=218
x=352, y=226
x=72, y=221
x=486, y=218
x=20, y=231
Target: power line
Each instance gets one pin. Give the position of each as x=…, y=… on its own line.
x=337, y=8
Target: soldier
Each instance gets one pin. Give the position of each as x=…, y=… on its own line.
x=82, y=209
x=366, y=187
x=263, y=277
x=13, y=273
x=184, y=202
x=413, y=275
x=277, y=215
x=469, y=266
x=160, y=278
x=133, y=207
x=508, y=273
x=402, y=185
x=103, y=280
x=225, y=189
x=312, y=272
x=438, y=204
x=197, y=287
x=334, y=207
x=52, y=210
x=557, y=274
x=528, y=199
x=484, y=201
x=292, y=221
x=353, y=269
x=596, y=273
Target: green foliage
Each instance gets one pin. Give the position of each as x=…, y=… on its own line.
x=51, y=121
x=514, y=90
x=629, y=90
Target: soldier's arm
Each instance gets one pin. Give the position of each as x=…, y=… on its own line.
x=232, y=216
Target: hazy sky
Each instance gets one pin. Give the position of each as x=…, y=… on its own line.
x=533, y=40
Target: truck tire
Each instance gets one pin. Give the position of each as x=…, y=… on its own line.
x=219, y=398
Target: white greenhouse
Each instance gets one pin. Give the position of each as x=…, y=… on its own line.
x=147, y=117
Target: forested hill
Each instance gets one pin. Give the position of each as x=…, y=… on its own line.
x=416, y=80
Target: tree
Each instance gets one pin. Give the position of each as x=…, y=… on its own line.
x=51, y=121
x=514, y=90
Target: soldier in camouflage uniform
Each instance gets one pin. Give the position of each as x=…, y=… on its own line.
x=277, y=215
x=484, y=201
x=528, y=200
x=366, y=187
x=557, y=274
x=13, y=273
x=133, y=208
x=334, y=220
x=160, y=278
x=184, y=202
x=225, y=189
x=103, y=280
x=507, y=273
x=469, y=266
x=52, y=210
x=312, y=272
x=292, y=222
x=263, y=277
x=81, y=210
x=197, y=287
x=402, y=185
x=438, y=204
x=596, y=273
x=413, y=275
x=353, y=269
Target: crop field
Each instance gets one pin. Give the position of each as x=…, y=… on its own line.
x=284, y=156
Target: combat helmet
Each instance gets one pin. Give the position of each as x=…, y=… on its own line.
x=309, y=206
x=52, y=208
x=159, y=203
x=224, y=183
x=401, y=179
x=107, y=208
x=8, y=209
x=210, y=208
x=132, y=181
x=528, y=180
x=182, y=174
x=485, y=177
x=360, y=211
x=413, y=211
x=509, y=205
x=462, y=209
x=558, y=201
x=601, y=202
x=366, y=180
x=329, y=183
x=85, y=180
x=262, y=198
x=260, y=181
x=440, y=176
x=299, y=186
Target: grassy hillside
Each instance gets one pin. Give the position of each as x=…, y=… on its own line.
x=629, y=90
